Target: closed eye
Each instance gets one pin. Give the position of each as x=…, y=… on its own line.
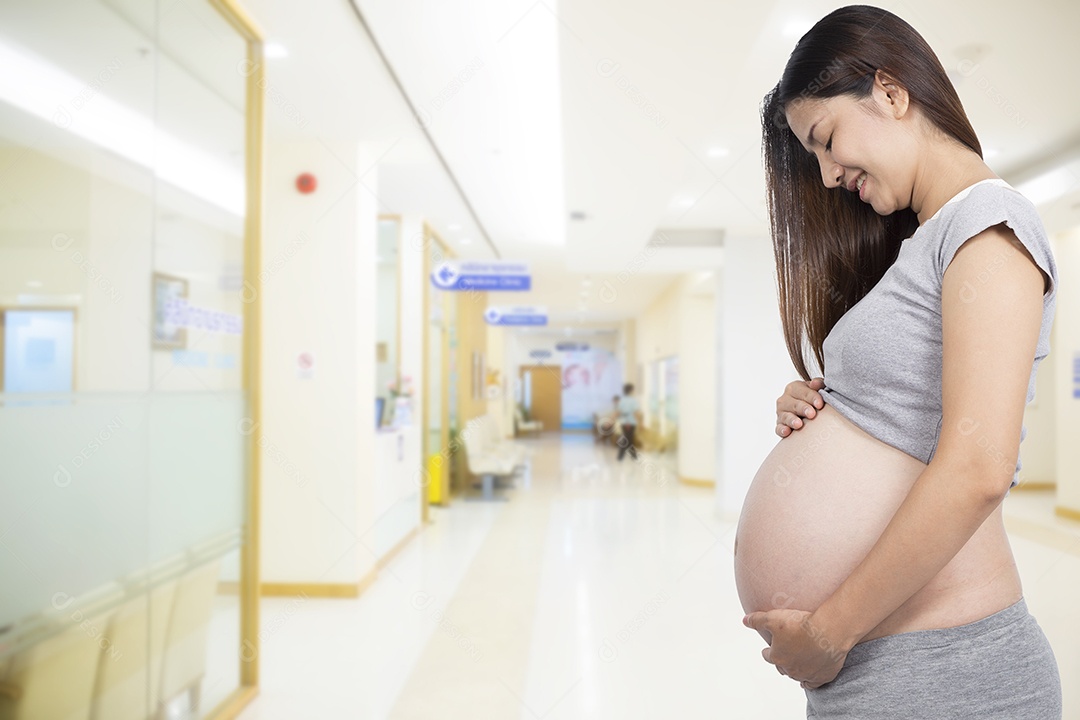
x=828, y=145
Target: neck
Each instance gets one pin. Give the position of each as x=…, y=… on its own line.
x=945, y=169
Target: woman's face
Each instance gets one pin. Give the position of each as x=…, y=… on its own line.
x=850, y=140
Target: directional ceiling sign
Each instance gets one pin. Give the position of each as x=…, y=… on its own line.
x=516, y=315
x=499, y=275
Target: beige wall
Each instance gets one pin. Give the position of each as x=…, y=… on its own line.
x=627, y=350
x=1038, y=452
x=697, y=387
x=471, y=338
x=500, y=398
x=681, y=322
x=657, y=336
x=1065, y=352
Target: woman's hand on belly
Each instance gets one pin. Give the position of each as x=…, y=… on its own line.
x=801, y=399
x=799, y=646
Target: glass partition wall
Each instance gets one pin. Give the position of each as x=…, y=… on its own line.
x=662, y=409
x=440, y=378
x=129, y=136
x=388, y=385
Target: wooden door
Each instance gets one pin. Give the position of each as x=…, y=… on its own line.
x=543, y=390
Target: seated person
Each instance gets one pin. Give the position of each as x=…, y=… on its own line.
x=605, y=424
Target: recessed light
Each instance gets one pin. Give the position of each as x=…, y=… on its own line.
x=275, y=50
x=797, y=28
x=686, y=202
x=718, y=152
x=466, y=241
x=453, y=226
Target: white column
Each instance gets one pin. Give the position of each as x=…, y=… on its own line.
x=318, y=278
x=718, y=394
x=362, y=380
x=755, y=365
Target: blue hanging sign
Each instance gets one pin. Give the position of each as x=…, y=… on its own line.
x=500, y=275
x=1076, y=376
x=569, y=346
x=516, y=315
x=540, y=354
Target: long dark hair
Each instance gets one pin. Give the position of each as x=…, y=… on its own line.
x=831, y=248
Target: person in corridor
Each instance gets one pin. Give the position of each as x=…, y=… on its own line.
x=628, y=419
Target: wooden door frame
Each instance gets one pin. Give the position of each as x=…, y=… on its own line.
x=557, y=370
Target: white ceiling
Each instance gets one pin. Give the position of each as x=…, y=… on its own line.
x=602, y=107
x=646, y=90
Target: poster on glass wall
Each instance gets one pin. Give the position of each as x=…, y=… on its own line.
x=590, y=379
x=166, y=290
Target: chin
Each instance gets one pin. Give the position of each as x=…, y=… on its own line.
x=874, y=206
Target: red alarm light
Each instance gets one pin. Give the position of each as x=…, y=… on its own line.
x=306, y=183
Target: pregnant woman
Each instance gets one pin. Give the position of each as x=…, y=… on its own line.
x=871, y=554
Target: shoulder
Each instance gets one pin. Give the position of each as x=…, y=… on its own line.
x=993, y=225
x=993, y=255
x=992, y=250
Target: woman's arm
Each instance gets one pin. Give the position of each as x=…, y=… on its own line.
x=991, y=315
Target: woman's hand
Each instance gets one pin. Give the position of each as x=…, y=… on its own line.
x=801, y=399
x=800, y=646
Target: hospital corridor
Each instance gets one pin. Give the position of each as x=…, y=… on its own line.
x=539, y=360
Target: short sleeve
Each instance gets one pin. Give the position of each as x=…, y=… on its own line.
x=991, y=205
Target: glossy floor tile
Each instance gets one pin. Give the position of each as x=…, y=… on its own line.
x=599, y=590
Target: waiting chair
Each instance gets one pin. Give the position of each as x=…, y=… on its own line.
x=128, y=683
x=488, y=429
x=523, y=425
x=53, y=677
x=606, y=429
x=488, y=466
x=186, y=639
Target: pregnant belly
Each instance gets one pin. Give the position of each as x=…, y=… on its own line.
x=816, y=507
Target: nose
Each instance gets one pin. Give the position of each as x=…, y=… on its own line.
x=832, y=176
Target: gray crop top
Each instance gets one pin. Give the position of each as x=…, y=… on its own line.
x=883, y=357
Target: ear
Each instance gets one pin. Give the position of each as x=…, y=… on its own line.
x=890, y=94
